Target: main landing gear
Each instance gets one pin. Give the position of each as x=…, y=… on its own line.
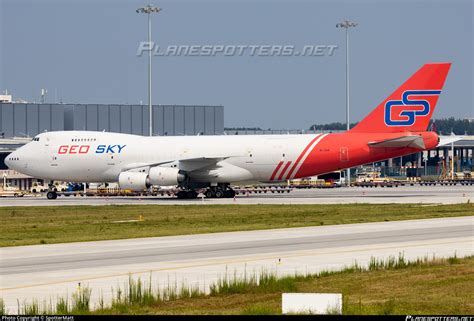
x=220, y=192
x=187, y=194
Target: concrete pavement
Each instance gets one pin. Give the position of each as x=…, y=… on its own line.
x=46, y=271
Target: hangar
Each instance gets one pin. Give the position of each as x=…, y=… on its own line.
x=27, y=120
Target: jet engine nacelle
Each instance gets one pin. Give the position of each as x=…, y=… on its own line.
x=135, y=181
x=165, y=176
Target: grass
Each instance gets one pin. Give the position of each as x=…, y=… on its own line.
x=392, y=286
x=2, y=307
x=79, y=304
x=259, y=283
x=46, y=225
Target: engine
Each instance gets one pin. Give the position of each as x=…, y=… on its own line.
x=135, y=181
x=161, y=176
x=165, y=176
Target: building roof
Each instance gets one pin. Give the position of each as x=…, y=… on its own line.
x=8, y=145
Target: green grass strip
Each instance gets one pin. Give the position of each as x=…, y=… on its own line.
x=46, y=225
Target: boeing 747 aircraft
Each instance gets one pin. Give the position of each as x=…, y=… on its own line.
x=396, y=127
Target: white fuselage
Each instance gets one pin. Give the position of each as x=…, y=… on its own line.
x=84, y=156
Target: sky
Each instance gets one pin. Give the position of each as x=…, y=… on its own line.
x=86, y=52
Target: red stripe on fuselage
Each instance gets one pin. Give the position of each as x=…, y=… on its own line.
x=276, y=170
x=301, y=156
x=326, y=156
x=284, y=170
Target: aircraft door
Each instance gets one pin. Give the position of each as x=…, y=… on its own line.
x=53, y=153
x=344, y=154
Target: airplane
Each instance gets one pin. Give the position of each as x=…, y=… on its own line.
x=396, y=127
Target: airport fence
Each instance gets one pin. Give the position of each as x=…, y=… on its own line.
x=428, y=171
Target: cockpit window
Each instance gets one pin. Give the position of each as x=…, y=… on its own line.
x=36, y=139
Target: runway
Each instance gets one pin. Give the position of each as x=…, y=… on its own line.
x=342, y=195
x=46, y=271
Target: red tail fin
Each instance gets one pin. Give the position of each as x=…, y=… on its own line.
x=410, y=107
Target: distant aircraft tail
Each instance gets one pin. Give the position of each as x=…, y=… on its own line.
x=409, y=108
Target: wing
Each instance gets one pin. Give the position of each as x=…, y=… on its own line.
x=185, y=164
x=192, y=164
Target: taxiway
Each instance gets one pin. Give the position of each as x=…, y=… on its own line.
x=342, y=195
x=45, y=272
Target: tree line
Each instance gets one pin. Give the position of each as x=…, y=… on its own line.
x=442, y=126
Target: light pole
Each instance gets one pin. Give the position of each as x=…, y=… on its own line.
x=149, y=10
x=347, y=24
x=452, y=156
x=425, y=160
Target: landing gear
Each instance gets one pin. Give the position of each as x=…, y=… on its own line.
x=188, y=190
x=51, y=195
x=220, y=191
x=187, y=194
x=230, y=193
x=52, y=188
x=210, y=193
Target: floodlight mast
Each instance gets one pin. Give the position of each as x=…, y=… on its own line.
x=346, y=24
x=149, y=9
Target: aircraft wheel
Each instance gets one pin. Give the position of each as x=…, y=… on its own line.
x=219, y=193
x=230, y=193
x=191, y=194
x=210, y=193
x=51, y=195
x=181, y=195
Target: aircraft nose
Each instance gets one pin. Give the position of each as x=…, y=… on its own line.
x=11, y=160
x=8, y=161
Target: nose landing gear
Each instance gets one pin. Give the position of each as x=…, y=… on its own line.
x=51, y=195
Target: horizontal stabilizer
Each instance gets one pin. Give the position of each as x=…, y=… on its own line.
x=446, y=140
x=399, y=142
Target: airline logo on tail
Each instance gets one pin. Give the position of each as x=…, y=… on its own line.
x=402, y=112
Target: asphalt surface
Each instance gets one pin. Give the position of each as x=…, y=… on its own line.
x=343, y=195
x=46, y=271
